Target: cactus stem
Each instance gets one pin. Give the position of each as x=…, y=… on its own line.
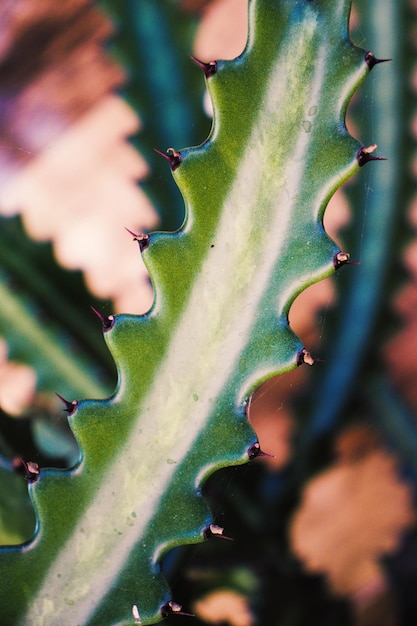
x=343, y=258
x=30, y=468
x=172, y=156
x=371, y=60
x=209, y=69
x=215, y=531
x=142, y=238
x=364, y=155
x=69, y=407
x=107, y=322
x=173, y=608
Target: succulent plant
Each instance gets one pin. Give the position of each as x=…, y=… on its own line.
x=252, y=239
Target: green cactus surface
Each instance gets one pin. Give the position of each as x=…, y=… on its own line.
x=255, y=193
x=377, y=244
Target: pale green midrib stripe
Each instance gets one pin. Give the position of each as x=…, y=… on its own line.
x=14, y=314
x=104, y=507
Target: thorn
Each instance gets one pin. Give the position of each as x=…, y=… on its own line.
x=254, y=451
x=364, y=155
x=173, y=608
x=107, y=322
x=304, y=356
x=135, y=613
x=371, y=60
x=69, y=407
x=142, y=238
x=343, y=258
x=209, y=69
x=30, y=468
x=172, y=156
x=213, y=530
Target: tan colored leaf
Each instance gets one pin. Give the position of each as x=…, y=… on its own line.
x=224, y=607
x=350, y=516
x=215, y=39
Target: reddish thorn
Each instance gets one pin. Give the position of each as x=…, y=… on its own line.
x=172, y=156
x=371, y=60
x=209, y=69
x=343, y=258
x=142, y=239
x=304, y=356
x=254, y=451
x=364, y=155
x=213, y=530
x=107, y=322
x=173, y=608
x=30, y=468
x=69, y=407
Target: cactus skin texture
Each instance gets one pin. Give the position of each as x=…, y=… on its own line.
x=255, y=194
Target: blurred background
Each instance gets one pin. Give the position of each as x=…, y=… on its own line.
x=325, y=529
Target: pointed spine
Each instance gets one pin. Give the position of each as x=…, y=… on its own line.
x=209, y=68
x=106, y=321
x=371, y=60
x=364, y=155
x=172, y=156
x=69, y=407
x=143, y=239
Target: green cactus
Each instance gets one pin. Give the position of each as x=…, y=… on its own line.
x=379, y=203
x=255, y=193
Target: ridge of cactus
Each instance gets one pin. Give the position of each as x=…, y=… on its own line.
x=379, y=199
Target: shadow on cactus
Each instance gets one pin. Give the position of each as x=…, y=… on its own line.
x=255, y=194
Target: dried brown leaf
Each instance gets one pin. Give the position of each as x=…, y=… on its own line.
x=350, y=516
x=224, y=607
